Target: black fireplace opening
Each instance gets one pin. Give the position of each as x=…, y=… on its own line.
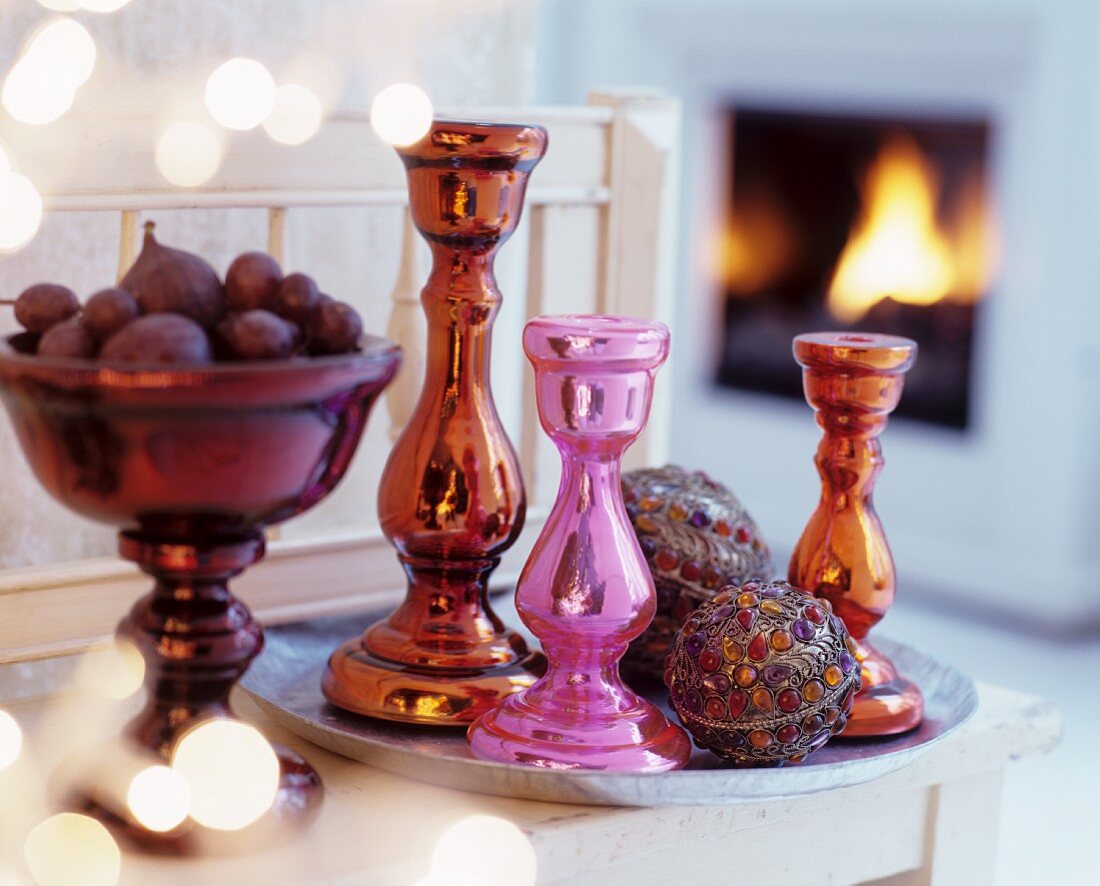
x=869, y=224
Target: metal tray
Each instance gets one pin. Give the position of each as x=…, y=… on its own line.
x=286, y=682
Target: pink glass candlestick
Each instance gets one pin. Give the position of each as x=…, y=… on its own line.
x=586, y=591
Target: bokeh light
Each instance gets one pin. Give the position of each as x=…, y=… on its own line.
x=57, y=61
x=72, y=850
x=5, y=168
x=60, y=5
x=240, y=93
x=460, y=852
x=232, y=772
x=159, y=798
x=115, y=671
x=296, y=115
x=34, y=95
x=66, y=45
x=188, y=154
x=102, y=5
x=11, y=740
x=401, y=114
x=20, y=212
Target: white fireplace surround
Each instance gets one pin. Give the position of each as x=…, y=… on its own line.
x=999, y=520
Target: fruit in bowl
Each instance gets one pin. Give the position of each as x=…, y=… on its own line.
x=171, y=308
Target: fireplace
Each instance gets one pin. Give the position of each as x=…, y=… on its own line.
x=870, y=223
x=970, y=514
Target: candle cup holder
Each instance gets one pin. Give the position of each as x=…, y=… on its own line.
x=586, y=591
x=191, y=464
x=451, y=499
x=854, y=382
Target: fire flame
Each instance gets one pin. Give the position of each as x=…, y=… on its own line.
x=896, y=248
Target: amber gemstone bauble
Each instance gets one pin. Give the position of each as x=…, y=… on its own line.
x=776, y=693
x=696, y=537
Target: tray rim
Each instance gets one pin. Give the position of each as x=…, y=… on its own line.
x=592, y=787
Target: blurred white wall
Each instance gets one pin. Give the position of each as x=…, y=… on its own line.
x=153, y=60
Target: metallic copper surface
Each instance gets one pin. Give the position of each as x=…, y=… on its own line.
x=191, y=464
x=853, y=382
x=451, y=499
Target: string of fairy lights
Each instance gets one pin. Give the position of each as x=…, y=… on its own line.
x=58, y=58
x=222, y=774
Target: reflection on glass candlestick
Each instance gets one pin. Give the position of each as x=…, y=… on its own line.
x=451, y=499
x=853, y=382
x=586, y=591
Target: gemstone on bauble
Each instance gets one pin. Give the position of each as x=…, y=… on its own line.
x=781, y=640
x=763, y=700
x=788, y=701
x=787, y=734
x=744, y=675
x=719, y=683
x=761, y=738
x=746, y=618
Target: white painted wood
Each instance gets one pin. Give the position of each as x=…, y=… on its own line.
x=262, y=199
x=129, y=240
x=563, y=278
x=964, y=839
x=378, y=828
x=639, y=259
x=408, y=327
x=277, y=241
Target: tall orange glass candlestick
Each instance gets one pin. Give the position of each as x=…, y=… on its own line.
x=854, y=382
x=451, y=499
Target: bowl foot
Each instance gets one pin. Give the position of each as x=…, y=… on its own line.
x=363, y=683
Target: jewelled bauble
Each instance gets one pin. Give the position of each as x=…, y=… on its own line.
x=697, y=538
x=763, y=674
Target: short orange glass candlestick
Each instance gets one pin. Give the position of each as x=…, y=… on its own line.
x=853, y=382
x=451, y=499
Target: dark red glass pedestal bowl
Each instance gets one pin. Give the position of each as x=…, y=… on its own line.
x=191, y=464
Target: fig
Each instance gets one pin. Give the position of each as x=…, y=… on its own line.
x=297, y=298
x=258, y=335
x=67, y=339
x=107, y=311
x=334, y=328
x=167, y=280
x=45, y=304
x=159, y=339
x=251, y=281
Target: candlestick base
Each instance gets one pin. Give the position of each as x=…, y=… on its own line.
x=630, y=734
x=363, y=683
x=888, y=703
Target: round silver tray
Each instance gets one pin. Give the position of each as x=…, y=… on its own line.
x=286, y=682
